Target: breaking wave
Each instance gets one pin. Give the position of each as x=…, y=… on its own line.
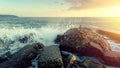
x=14, y=38
x=16, y=34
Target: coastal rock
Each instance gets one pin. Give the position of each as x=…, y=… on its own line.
x=1, y=44
x=72, y=61
x=87, y=43
x=22, y=58
x=50, y=57
x=111, y=35
x=3, y=59
x=26, y=38
x=68, y=59
x=88, y=64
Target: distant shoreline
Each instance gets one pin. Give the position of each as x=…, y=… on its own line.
x=8, y=16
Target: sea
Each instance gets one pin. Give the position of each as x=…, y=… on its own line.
x=46, y=29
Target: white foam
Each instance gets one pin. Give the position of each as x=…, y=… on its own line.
x=45, y=34
x=114, y=46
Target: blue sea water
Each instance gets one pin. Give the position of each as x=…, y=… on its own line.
x=45, y=30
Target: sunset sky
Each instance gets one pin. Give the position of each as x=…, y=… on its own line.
x=61, y=8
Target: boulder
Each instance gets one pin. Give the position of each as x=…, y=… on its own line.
x=85, y=42
x=26, y=38
x=111, y=35
x=3, y=59
x=68, y=59
x=72, y=61
x=50, y=57
x=88, y=64
x=22, y=58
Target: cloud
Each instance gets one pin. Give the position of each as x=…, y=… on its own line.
x=87, y=4
x=77, y=2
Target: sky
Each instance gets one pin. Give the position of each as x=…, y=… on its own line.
x=61, y=8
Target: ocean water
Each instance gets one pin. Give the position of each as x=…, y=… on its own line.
x=45, y=30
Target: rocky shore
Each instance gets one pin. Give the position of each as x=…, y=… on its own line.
x=109, y=34
x=73, y=45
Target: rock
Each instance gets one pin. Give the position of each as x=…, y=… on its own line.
x=87, y=43
x=88, y=64
x=1, y=44
x=58, y=39
x=22, y=58
x=111, y=35
x=73, y=61
x=26, y=38
x=3, y=59
x=68, y=59
x=50, y=57
x=92, y=64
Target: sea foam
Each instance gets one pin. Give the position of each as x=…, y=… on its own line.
x=12, y=39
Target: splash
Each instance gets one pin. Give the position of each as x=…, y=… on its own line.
x=14, y=38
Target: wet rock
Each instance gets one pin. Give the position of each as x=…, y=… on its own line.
x=72, y=61
x=68, y=59
x=1, y=44
x=22, y=58
x=50, y=57
x=88, y=64
x=87, y=43
x=26, y=38
x=58, y=39
x=3, y=59
x=111, y=35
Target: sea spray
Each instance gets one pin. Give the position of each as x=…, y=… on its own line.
x=15, y=34
x=14, y=38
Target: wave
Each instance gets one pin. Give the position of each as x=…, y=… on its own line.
x=14, y=38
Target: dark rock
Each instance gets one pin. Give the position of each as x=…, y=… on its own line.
x=3, y=59
x=26, y=38
x=58, y=39
x=87, y=43
x=1, y=44
x=50, y=57
x=22, y=58
x=72, y=61
x=68, y=59
x=88, y=64
x=109, y=34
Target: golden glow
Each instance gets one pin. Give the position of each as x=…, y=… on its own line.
x=61, y=8
x=111, y=11
x=108, y=11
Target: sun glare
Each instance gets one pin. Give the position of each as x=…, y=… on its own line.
x=113, y=11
